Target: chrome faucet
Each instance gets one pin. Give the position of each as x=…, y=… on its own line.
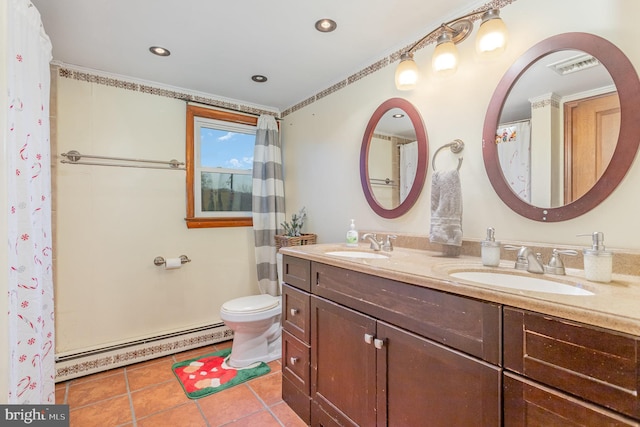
x=373, y=239
x=530, y=261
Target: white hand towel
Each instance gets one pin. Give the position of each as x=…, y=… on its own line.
x=446, y=211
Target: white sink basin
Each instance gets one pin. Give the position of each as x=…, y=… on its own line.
x=525, y=283
x=357, y=254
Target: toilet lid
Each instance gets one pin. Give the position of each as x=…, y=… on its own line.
x=251, y=304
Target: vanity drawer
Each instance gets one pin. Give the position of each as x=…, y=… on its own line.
x=462, y=323
x=598, y=365
x=295, y=362
x=297, y=400
x=527, y=403
x=295, y=315
x=297, y=272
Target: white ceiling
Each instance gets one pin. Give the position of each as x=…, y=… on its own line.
x=216, y=46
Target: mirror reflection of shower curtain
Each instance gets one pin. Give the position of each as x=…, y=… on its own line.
x=513, y=142
x=408, y=167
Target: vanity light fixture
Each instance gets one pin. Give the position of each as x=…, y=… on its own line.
x=160, y=51
x=445, y=56
x=490, y=41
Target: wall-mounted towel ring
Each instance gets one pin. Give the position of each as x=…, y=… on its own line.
x=456, y=146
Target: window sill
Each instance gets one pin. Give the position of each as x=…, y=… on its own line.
x=219, y=222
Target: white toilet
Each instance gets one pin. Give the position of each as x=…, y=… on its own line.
x=256, y=326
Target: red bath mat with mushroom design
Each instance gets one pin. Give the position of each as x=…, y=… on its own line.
x=210, y=374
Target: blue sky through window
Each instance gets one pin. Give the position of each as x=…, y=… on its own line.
x=224, y=149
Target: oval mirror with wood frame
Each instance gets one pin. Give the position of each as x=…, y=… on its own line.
x=393, y=158
x=593, y=50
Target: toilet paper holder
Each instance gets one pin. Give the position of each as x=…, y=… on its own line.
x=161, y=261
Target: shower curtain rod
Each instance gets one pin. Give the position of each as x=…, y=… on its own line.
x=75, y=159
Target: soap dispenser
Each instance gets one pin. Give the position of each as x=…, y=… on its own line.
x=598, y=262
x=352, y=235
x=490, y=249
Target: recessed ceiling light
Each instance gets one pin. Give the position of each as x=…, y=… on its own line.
x=259, y=78
x=160, y=51
x=398, y=116
x=326, y=25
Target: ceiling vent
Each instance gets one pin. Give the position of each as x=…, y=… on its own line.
x=574, y=64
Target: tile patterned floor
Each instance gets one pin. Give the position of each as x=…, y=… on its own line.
x=148, y=394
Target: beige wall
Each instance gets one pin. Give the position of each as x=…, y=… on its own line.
x=111, y=222
x=322, y=141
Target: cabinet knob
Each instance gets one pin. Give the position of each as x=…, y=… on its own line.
x=368, y=338
x=378, y=343
x=294, y=311
x=294, y=360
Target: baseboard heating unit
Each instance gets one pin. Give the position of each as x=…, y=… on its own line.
x=69, y=366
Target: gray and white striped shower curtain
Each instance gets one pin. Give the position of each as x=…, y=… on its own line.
x=268, y=201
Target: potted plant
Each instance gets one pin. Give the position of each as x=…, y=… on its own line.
x=293, y=235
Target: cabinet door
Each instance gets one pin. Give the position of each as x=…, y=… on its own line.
x=527, y=403
x=343, y=365
x=428, y=384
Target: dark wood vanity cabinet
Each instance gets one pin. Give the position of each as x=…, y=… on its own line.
x=560, y=373
x=388, y=353
x=371, y=351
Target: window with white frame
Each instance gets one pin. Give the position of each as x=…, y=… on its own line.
x=224, y=162
x=219, y=167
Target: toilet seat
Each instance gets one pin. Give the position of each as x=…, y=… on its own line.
x=251, y=304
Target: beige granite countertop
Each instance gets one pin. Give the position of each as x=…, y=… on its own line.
x=614, y=305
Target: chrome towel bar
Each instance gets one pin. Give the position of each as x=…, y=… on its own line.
x=74, y=158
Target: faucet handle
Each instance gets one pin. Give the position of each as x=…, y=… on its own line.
x=388, y=245
x=556, y=266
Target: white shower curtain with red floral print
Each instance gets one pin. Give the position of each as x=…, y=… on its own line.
x=30, y=279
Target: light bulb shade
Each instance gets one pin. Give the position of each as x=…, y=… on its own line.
x=445, y=56
x=406, y=73
x=492, y=35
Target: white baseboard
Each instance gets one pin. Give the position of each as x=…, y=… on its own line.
x=84, y=363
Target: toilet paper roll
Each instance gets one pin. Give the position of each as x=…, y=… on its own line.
x=172, y=263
